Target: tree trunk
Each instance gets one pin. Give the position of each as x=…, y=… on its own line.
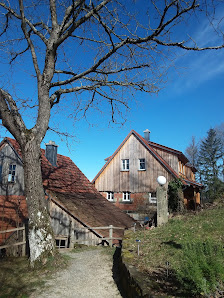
x=41, y=237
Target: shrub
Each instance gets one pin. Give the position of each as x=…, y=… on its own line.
x=175, y=196
x=202, y=269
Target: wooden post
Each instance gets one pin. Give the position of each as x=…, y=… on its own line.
x=110, y=235
x=24, y=240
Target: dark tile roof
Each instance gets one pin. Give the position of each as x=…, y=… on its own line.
x=93, y=210
x=71, y=188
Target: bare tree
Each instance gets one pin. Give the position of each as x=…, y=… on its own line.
x=99, y=47
x=220, y=134
x=192, y=152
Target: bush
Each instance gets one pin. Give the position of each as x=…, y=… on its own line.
x=202, y=269
x=175, y=196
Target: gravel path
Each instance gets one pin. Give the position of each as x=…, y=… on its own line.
x=88, y=275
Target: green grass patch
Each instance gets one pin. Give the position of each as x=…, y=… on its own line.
x=83, y=247
x=186, y=253
x=18, y=279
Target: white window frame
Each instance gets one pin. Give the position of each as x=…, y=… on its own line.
x=125, y=165
x=126, y=196
x=152, y=198
x=140, y=162
x=110, y=196
x=12, y=173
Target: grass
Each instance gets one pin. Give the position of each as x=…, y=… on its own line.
x=163, y=251
x=83, y=247
x=17, y=279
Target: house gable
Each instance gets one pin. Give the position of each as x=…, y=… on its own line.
x=9, y=157
x=113, y=178
x=71, y=197
x=162, y=161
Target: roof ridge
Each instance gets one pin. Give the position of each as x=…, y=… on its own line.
x=163, y=146
x=156, y=154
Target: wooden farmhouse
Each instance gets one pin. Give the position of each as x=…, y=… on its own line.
x=129, y=177
x=76, y=208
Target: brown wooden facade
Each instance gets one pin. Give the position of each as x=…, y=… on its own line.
x=113, y=178
x=142, y=183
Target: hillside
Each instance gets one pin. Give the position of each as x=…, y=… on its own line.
x=184, y=257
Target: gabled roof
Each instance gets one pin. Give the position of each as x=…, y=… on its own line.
x=93, y=210
x=180, y=154
x=76, y=193
x=150, y=146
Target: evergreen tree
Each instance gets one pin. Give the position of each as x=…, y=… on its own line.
x=210, y=165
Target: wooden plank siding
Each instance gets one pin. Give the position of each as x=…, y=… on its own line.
x=65, y=225
x=136, y=181
x=9, y=157
x=170, y=158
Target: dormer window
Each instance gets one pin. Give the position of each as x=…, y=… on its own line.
x=125, y=164
x=141, y=164
x=12, y=173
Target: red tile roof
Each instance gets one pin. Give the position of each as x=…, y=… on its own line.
x=71, y=188
x=65, y=178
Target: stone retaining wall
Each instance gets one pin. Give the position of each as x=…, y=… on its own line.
x=133, y=282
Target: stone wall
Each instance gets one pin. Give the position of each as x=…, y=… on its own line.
x=133, y=282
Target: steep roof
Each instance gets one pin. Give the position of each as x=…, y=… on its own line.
x=150, y=146
x=93, y=210
x=71, y=188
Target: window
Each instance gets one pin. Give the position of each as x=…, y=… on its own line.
x=141, y=164
x=12, y=173
x=126, y=196
x=125, y=165
x=110, y=196
x=61, y=242
x=152, y=198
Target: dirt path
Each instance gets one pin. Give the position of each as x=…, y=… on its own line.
x=88, y=275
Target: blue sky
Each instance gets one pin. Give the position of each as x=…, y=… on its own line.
x=190, y=104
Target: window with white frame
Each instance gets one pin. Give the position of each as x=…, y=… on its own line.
x=125, y=164
x=12, y=173
x=152, y=198
x=126, y=196
x=110, y=196
x=141, y=163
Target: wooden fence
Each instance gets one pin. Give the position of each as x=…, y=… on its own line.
x=62, y=241
x=110, y=238
x=17, y=241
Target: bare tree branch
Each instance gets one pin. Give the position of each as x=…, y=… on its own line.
x=188, y=48
x=72, y=25
x=9, y=114
x=23, y=19
x=102, y=48
x=27, y=36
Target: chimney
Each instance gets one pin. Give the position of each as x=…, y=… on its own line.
x=147, y=135
x=51, y=153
